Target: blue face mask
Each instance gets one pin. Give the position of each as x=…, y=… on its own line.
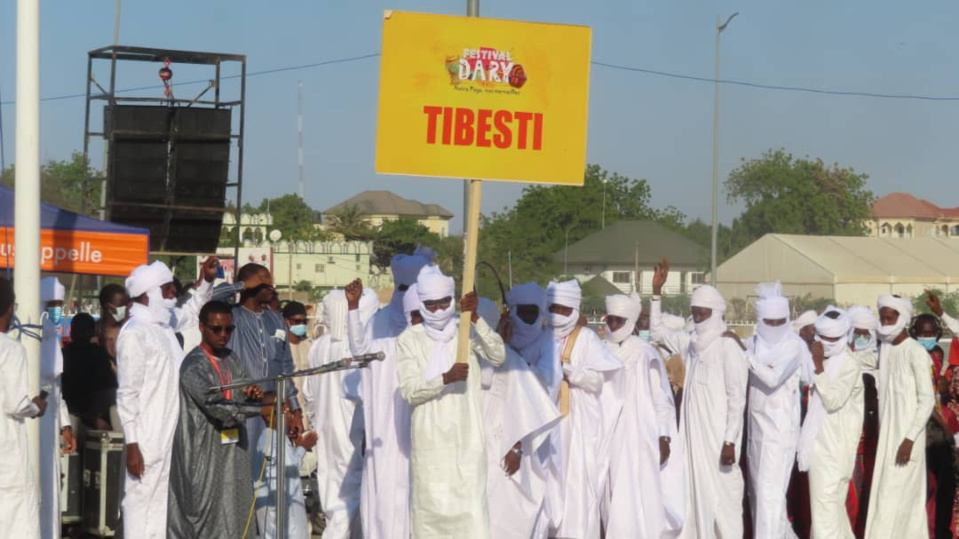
x=55, y=314
x=928, y=342
x=299, y=331
x=644, y=334
x=861, y=343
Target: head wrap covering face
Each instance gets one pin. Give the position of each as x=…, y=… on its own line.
x=862, y=318
x=51, y=290
x=807, y=318
x=833, y=328
x=526, y=294
x=334, y=314
x=145, y=277
x=411, y=301
x=711, y=329
x=432, y=285
x=567, y=294
x=626, y=307
x=771, y=306
x=406, y=267
x=904, y=308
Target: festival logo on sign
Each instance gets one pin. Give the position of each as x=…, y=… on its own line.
x=486, y=67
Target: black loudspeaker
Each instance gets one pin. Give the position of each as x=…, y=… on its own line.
x=163, y=163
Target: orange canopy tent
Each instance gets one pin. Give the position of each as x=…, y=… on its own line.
x=73, y=243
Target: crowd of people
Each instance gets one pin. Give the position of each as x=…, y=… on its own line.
x=832, y=424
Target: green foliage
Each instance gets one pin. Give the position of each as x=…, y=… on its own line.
x=350, y=222
x=62, y=184
x=808, y=302
x=677, y=304
x=948, y=301
x=291, y=216
x=400, y=236
x=786, y=195
x=303, y=286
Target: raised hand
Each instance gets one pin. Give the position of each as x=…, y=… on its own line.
x=354, y=291
x=209, y=269
x=932, y=301
x=660, y=274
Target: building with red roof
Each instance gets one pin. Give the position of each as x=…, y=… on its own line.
x=901, y=215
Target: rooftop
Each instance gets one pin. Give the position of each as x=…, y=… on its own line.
x=619, y=242
x=389, y=203
x=904, y=205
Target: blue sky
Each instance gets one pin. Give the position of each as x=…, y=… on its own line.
x=640, y=125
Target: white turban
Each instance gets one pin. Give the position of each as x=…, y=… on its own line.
x=862, y=318
x=833, y=327
x=902, y=306
x=407, y=267
x=626, y=307
x=708, y=297
x=51, y=290
x=334, y=314
x=411, y=301
x=771, y=306
x=526, y=294
x=489, y=312
x=146, y=277
x=432, y=285
x=567, y=294
x=807, y=318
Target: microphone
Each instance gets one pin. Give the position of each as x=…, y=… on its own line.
x=366, y=358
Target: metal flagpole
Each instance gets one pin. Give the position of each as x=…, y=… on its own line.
x=27, y=200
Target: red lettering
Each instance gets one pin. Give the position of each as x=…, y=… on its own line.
x=504, y=138
x=464, y=127
x=538, y=131
x=483, y=128
x=447, y=125
x=431, y=113
x=523, y=118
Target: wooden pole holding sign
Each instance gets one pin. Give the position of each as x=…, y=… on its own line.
x=469, y=265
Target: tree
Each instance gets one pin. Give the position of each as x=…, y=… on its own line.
x=786, y=195
x=303, y=286
x=291, y=216
x=350, y=222
x=62, y=184
x=400, y=236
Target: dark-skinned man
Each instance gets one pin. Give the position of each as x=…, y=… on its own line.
x=19, y=507
x=897, y=504
x=645, y=481
x=261, y=341
x=148, y=367
x=211, y=488
x=448, y=454
x=711, y=420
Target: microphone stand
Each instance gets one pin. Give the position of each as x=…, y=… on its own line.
x=281, y=380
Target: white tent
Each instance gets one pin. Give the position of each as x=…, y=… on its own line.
x=847, y=270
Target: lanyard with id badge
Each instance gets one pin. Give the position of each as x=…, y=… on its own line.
x=231, y=435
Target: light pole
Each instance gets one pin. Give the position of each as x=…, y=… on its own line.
x=604, y=203
x=712, y=254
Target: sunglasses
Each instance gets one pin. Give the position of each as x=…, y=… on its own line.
x=441, y=303
x=221, y=329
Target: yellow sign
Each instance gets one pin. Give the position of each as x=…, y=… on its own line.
x=464, y=97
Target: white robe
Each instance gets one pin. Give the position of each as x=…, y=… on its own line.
x=385, y=491
x=265, y=490
x=55, y=418
x=448, y=442
x=339, y=425
x=897, y=505
x=774, y=409
x=834, y=452
x=19, y=504
x=577, y=459
x=148, y=402
x=645, y=498
x=515, y=408
x=714, y=401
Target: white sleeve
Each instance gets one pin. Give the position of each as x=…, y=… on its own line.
x=491, y=345
x=188, y=315
x=131, y=360
x=736, y=376
x=951, y=323
x=662, y=402
x=13, y=377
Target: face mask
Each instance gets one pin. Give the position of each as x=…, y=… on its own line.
x=861, y=343
x=928, y=342
x=563, y=325
x=644, y=335
x=121, y=313
x=55, y=314
x=298, y=330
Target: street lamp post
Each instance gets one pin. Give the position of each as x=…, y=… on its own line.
x=604, y=204
x=715, y=235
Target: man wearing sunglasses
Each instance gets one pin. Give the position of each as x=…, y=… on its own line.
x=211, y=484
